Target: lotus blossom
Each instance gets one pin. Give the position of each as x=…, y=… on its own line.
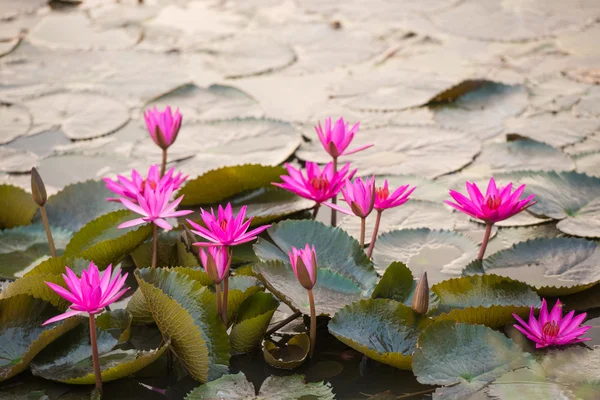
x=360, y=196
x=216, y=263
x=224, y=229
x=129, y=189
x=498, y=204
x=318, y=185
x=552, y=329
x=383, y=199
x=154, y=206
x=336, y=139
x=163, y=126
x=304, y=264
x=91, y=293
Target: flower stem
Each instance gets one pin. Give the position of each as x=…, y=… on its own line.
x=218, y=293
x=48, y=232
x=374, y=237
x=334, y=199
x=486, y=239
x=163, y=166
x=313, y=323
x=95, y=357
x=283, y=323
x=315, y=211
x=363, y=227
x=154, y=245
x=224, y=302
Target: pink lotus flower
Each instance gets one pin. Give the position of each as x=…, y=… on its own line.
x=317, y=185
x=383, y=199
x=91, y=293
x=216, y=263
x=130, y=189
x=304, y=264
x=224, y=229
x=163, y=126
x=154, y=206
x=360, y=196
x=336, y=140
x=552, y=329
x=497, y=205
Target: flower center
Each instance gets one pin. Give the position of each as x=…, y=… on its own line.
x=149, y=182
x=382, y=193
x=223, y=224
x=319, y=183
x=550, y=329
x=493, y=202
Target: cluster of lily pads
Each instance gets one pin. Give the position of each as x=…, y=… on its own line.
x=212, y=283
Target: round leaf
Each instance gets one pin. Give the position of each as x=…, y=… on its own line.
x=35, y=286
x=573, y=365
x=138, y=308
x=288, y=356
x=251, y=321
x=16, y=207
x=16, y=121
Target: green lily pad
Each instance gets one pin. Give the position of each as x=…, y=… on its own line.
x=16, y=207
x=35, y=286
x=56, y=265
x=185, y=311
x=22, y=335
x=442, y=254
x=166, y=253
x=344, y=272
x=575, y=366
x=553, y=267
x=469, y=356
x=288, y=356
x=77, y=204
x=24, y=247
x=138, y=308
x=251, y=321
x=101, y=240
x=382, y=329
x=241, y=288
x=237, y=387
x=69, y=360
x=220, y=184
x=489, y=300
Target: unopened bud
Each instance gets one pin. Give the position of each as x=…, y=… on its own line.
x=160, y=139
x=420, y=301
x=38, y=189
x=303, y=275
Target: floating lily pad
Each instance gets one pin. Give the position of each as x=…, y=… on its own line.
x=489, y=300
x=16, y=122
x=443, y=254
x=553, y=267
x=585, y=222
x=16, y=207
x=35, y=286
x=344, y=273
x=471, y=356
x=237, y=387
x=22, y=335
x=79, y=115
x=185, y=311
x=382, y=329
x=100, y=240
x=288, y=356
x=251, y=321
x=10, y=10
x=527, y=384
x=573, y=365
x=507, y=237
x=589, y=164
x=138, y=308
x=16, y=160
x=428, y=151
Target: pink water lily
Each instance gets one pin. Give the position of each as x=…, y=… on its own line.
x=318, y=185
x=552, y=329
x=216, y=263
x=91, y=293
x=360, y=196
x=385, y=200
x=498, y=204
x=163, y=126
x=304, y=265
x=154, y=206
x=225, y=229
x=131, y=188
x=336, y=139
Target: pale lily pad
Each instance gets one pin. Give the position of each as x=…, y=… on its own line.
x=16, y=121
x=585, y=222
x=588, y=164
x=16, y=207
x=553, y=267
x=382, y=329
x=237, y=387
x=16, y=160
x=185, y=311
x=573, y=365
x=443, y=254
x=344, y=273
x=470, y=356
x=80, y=115
x=507, y=237
x=22, y=335
x=289, y=355
x=489, y=300
x=9, y=10
x=527, y=384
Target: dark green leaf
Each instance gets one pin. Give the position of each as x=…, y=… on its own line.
x=16, y=207
x=289, y=355
x=251, y=321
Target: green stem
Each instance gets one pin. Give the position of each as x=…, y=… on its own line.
x=95, y=357
x=374, y=237
x=154, y=245
x=316, y=211
x=218, y=293
x=334, y=199
x=224, y=302
x=363, y=227
x=48, y=232
x=486, y=239
x=313, y=323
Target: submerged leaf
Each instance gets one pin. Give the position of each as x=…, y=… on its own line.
x=288, y=356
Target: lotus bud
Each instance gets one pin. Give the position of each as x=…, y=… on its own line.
x=304, y=265
x=216, y=263
x=420, y=301
x=38, y=189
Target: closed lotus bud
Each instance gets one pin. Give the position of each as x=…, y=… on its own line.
x=420, y=301
x=38, y=189
x=216, y=263
x=304, y=264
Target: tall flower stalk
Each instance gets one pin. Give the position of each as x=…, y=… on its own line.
x=39, y=195
x=304, y=265
x=498, y=204
x=163, y=127
x=335, y=140
x=90, y=294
